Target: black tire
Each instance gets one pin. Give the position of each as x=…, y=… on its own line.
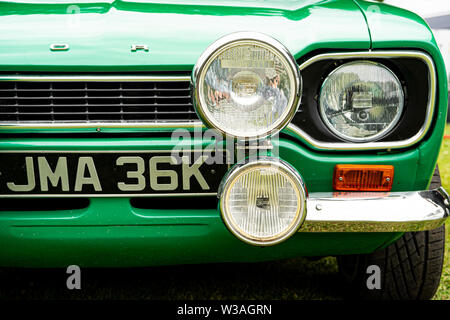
x=410, y=268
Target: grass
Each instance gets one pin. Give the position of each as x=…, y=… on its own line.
x=287, y=279
x=443, y=292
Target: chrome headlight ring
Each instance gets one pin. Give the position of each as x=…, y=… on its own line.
x=239, y=40
x=252, y=222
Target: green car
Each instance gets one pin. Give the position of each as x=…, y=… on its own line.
x=140, y=132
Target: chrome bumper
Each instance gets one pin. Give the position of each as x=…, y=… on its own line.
x=376, y=212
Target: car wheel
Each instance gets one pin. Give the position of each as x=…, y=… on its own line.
x=409, y=269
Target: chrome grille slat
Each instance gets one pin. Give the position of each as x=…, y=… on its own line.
x=89, y=98
x=93, y=105
x=105, y=112
x=57, y=99
x=91, y=90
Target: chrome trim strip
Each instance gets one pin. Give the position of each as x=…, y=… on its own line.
x=72, y=78
x=119, y=195
x=291, y=129
x=104, y=151
x=376, y=212
x=103, y=125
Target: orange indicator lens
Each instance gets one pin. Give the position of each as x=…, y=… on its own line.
x=350, y=177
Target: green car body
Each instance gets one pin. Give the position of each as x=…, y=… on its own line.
x=110, y=231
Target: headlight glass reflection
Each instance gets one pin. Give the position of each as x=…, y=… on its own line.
x=247, y=89
x=361, y=101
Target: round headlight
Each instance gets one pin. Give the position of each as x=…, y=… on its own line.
x=247, y=85
x=361, y=101
x=263, y=202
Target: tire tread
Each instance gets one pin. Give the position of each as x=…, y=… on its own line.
x=411, y=267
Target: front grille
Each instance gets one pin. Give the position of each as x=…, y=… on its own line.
x=66, y=100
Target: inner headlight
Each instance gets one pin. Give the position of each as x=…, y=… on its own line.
x=361, y=101
x=247, y=85
x=263, y=202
